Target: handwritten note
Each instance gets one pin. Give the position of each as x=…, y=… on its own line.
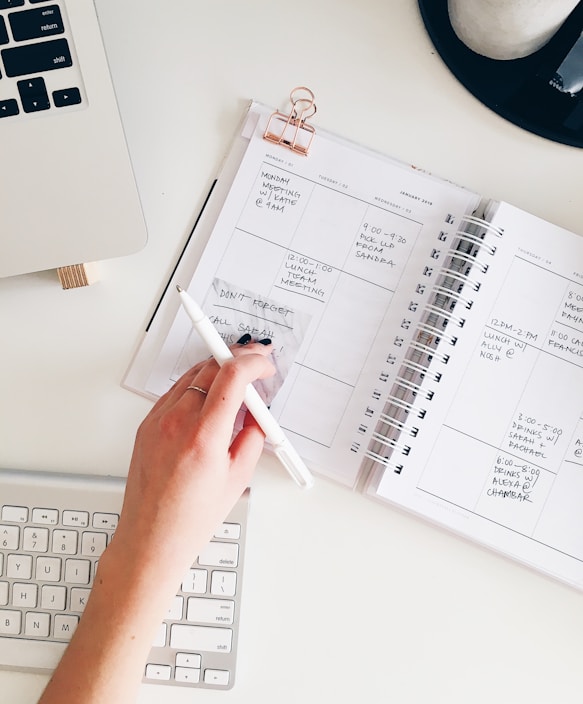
x=235, y=311
x=515, y=420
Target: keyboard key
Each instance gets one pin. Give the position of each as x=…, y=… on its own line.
x=195, y=582
x=204, y=610
x=77, y=571
x=37, y=23
x=229, y=530
x=3, y=32
x=219, y=677
x=175, y=610
x=19, y=566
x=4, y=593
x=36, y=58
x=48, y=569
x=10, y=622
x=93, y=544
x=79, y=598
x=105, y=521
x=189, y=660
x=205, y=638
x=45, y=516
x=24, y=595
x=65, y=542
x=53, y=597
x=158, y=672
x=8, y=4
x=65, y=626
x=15, y=514
x=220, y=555
x=160, y=637
x=63, y=98
x=8, y=108
x=33, y=94
x=9, y=537
x=35, y=539
x=75, y=518
x=187, y=674
x=37, y=624
x=224, y=583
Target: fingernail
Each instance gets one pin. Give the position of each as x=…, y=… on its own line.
x=266, y=341
x=244, y=340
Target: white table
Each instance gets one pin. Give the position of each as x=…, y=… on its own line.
x=345, y=600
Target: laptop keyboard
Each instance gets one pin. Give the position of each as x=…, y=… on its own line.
x=53, y=529
x=39, y=73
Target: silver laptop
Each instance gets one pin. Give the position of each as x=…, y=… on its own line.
x=67, y=190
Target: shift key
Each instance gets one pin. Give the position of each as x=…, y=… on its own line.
x=207, y=638
x=36, y=58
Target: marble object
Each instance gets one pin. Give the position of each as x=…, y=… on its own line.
x=507, y=29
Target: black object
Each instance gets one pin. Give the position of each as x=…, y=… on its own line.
x=526, y=91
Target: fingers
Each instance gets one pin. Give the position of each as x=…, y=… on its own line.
x=220, y=406
x=214, y=413
x=203, y=373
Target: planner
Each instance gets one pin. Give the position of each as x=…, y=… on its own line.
x=428, y=342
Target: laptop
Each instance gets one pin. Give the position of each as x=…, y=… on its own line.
x=67, y=190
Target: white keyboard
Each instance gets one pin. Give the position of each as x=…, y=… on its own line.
x=54, y=527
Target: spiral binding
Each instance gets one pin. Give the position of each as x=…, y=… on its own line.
x=410, y=396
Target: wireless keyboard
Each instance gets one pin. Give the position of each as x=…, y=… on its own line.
x=53, y=529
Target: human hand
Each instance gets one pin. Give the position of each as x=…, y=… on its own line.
x=185, y=474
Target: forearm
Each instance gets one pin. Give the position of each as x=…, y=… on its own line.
x=185, y=475
x=105, y=659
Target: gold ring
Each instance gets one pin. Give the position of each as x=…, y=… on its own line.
x=197, y=388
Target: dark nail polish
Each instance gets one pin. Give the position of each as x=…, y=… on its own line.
x=266, y=341
x=245, y=339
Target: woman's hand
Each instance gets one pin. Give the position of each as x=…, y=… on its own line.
x=186, y=473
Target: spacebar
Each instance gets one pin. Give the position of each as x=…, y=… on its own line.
x=214, y=640
x=32, y=655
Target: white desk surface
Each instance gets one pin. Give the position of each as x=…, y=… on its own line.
x=345, y=600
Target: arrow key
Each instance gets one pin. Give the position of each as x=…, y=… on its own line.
x=33, y=93
x=8, y=108
x=63, y=98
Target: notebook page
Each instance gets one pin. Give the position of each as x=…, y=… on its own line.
x=499, y=457
x=329, y=238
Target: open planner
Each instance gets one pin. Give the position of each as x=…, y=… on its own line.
x=428, y=342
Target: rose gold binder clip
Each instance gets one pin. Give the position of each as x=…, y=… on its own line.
x=291, y=130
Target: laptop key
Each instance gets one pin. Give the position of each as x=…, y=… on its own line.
x=36, y=23
x=3, y=31
x=36, y=58
x=8, y=108
x=33, y=94
x=7, y=4
x=70, y=96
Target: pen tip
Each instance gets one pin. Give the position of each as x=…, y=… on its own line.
x=179, y=288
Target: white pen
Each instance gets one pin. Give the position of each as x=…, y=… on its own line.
x=282, y=447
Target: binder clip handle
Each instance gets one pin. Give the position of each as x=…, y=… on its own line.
x=291, y=130
x=302, y=104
